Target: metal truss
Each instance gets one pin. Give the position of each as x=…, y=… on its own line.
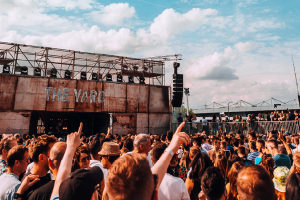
x=47, y=58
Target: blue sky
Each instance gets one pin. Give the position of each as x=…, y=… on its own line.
x=232, y=49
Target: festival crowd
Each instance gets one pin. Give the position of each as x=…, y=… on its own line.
x=172, y=166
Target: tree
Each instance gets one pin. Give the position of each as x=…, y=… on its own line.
x=183, y=112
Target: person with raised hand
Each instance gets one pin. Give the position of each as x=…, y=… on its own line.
x=142, y=182
x=73, y=141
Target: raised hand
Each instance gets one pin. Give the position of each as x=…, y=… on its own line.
x=73, y=139
x=28, y=181
x=179, y=138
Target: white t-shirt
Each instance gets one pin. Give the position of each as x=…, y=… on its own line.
x=97, y=163
x=172, y=188
x=149, y=158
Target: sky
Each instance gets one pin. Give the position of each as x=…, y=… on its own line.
x=232, y=49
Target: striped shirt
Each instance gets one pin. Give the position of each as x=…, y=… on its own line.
x=252, y=156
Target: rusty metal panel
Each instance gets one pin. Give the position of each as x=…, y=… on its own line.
x=7, y=91
x=159, y=123
x=66, y=103
x=91, y=103
x=142, y=123
x=115, y=97
x=124, y=123
x=137, y=98
x=14, y=122
x=159, y=100
x=31, y=93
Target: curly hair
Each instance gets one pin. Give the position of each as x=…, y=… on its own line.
x=267, y=162
x=5, y=143
x=15, y=153
x=40, y=146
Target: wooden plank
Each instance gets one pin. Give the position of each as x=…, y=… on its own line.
x=14, y=122
x=159, y=100
x=31, y=93
x=159, y=123
x=124, y=123
x=115, y=97
x=142, y=123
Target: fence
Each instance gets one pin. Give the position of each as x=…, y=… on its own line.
x=212, y=128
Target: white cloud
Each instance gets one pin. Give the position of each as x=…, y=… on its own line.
x=246, y=46
x=213, y=67
x=266, y=10
x=68, y=4
x=171, y=22
x=263, y=24
x=113, y=14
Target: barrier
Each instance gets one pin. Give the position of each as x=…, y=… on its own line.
x=261, y=127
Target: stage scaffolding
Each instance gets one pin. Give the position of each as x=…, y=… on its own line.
x=47, y=58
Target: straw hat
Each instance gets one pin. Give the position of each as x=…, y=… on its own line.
x=280, y=178
x=110, y=149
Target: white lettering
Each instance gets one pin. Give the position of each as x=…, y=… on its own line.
x=56, y=94
x=65, y=90
x=77, y=94
x=85, y=96
x=48, y=91
x=99, y=96
x=93, y=95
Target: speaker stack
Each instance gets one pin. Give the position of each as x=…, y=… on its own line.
x=177, y=87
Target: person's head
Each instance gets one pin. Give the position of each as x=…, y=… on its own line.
x=252, y=146
x=197, y=142
x=221, y=162
x=267, y=162
x=213, y=184
x=293, y=187
x=199, y=164
x=6, y=144
x=128, y=144
x=203, y=117
x=163, y=137
x=17, y=159
x=169, y=135
x=223, y=145
x=56, y=154
x=83, y=156
x=95, y=147
x=260, y=145
x=157, y=151
x=109, y=153
x=39, y=150
x=179, y=114
x=142, y=143
x=216, y=144
x=231, y=160
x=253, y=182
x=20, y=140
x=241, y=151
x=232, y=176
x=130, y=177
x=272, y=146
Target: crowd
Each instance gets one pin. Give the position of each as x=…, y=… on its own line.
x=225, y=166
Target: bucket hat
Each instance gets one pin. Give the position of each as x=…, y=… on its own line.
x=110, y=149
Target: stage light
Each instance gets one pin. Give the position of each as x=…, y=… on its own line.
x=24, y=71
x=119, y=78
x=53, y=73
x=108, y=77
x=142, y=80
x=130, y=79
x=37, y=71
x=82, y=75
x=67, y=74
x=6, y=69
x=94, y=76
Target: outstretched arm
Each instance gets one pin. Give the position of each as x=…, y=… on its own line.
x=73, y=141
x=161, y=166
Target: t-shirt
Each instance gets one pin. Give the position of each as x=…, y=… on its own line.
x=43, y=193
x=258, y=160
x=291, y=116
x=282, y=160
x=179, y=119
x=9, y=185
x=97, y=163
x=172, y=188
x=252, y=156
x=43, y=180
x=204, y=121
x=229, y=147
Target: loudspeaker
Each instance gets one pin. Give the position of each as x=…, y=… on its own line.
x=94, y=76
x=108, y=77
x=177, y=90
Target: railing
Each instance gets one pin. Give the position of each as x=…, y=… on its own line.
x=261, y=127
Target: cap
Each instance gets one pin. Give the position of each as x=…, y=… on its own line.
x=81, y=184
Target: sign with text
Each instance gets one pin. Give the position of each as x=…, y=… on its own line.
x=80, y=95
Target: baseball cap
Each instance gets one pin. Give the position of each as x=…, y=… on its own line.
x=81, y=184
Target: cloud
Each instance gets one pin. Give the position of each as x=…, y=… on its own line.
x=246, y=46
x=113, y=14
x=263, y=24
x=213, y=67
x=266, y=10
x=68, y=4
x=170, y=22
x=220, y=73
